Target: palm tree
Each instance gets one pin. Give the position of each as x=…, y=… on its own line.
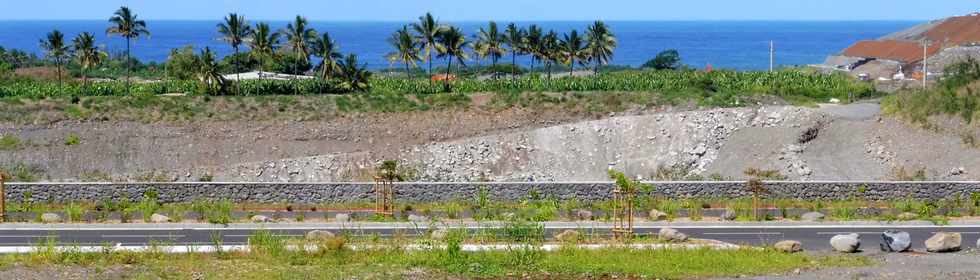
x=406, y=49
x=551, y=50
x=426, y=31
x=573, y=50
x=491, y=40
x=480, y=52
x=87, y=55
x=453, y=44
x=234, y=31
x=55, y=49
x=514, y=38
x=354, y=77
x=532, y=43
x=126, y=24
x=298, y=37
x=263, y=41
x=601, y=43
x=208, y=73
x=326, y=49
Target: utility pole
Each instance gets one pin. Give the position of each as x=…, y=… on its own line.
x=925, y=61
x=772, y=55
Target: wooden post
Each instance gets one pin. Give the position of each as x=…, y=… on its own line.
x=3, y=197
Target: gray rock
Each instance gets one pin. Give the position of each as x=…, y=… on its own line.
x=789, y=246
x=568, y=236
x=656, y=215
x=671, y=235
x=319, y=235
x=50, y=218
x=895, y=241
x=260, y=219
x=440, y=234
x=729, y=215
x=417, y=219
x=907, y=216
x=157, y=218
x=812, y=217
x=583, y=215
x=847, y=243
x=943, y=242
x=342, y=217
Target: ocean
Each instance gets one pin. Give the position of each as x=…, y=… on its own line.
x=740, y=45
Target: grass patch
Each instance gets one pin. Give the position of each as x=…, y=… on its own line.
x=270, y=260
x=9, y=142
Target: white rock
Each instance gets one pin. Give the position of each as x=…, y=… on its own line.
x=583, y=215
x=440, y=234
x=671, y=235
x=812, y=217
x=943, y=242
x=895, y=241
x=656, y=215
x=342, y=217
x=417, y=219
x=319, y=235
x=789, y=246
x=50, y=218
x=260, y=219
x=847, y=243
x=157, y=218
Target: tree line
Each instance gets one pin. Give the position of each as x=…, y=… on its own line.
x=419, y=41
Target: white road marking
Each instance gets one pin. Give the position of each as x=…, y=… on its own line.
x=250, y=235
x=848, y=232
x=743, y=233
x=144, y=236
x=27, y=236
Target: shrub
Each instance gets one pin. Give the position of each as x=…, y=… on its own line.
x=665, y=60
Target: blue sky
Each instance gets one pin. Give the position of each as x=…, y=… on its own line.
x=501, y=10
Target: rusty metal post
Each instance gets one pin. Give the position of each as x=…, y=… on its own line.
x=384, y=195
x=3, y=197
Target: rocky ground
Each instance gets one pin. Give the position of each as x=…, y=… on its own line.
x=899, y=266
x=832, y=142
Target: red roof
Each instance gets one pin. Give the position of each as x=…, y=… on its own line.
x=902, y=51
x=951, y=32
x=956, y=31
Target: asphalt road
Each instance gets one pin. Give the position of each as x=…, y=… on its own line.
x=813, y=237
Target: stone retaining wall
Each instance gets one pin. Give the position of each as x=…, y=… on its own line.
x=310, y=193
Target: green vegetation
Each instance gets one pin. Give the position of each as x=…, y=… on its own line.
x=956, y=94
x=669, y=59
x=270, y=257
x=9, y=142
x=72, y=140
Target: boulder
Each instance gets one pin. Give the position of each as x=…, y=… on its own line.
x=50, y=218
x=583, y=215
x=157, y=218
x=656, y=215
x=895, y=241
x=568, y=236
x=319, y=235
x=847, y=243
x=417, y=219
x=729, y=215
x=812, y=217
x=260, y=219
x=440, y=234
x=907, y=216
x=789, y=246
x=342, y=217
x=671, y=235
x=944, y=242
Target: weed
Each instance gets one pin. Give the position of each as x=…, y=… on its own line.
x=74, y=212
x=72, y=140
x=9, y=142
